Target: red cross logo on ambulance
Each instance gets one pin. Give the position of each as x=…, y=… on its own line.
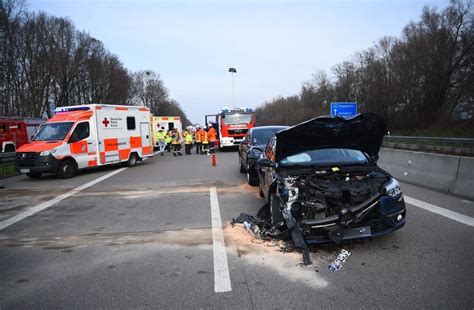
x=105, y=122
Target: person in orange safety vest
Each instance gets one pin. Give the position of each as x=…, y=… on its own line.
x=204, y=142
x=197, y=139
x=212, y=135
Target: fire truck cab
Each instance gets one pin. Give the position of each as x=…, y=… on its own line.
x=232, y=125
x=84, y=136
x=16, y=131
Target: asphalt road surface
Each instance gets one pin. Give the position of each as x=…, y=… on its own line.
x=150, y=237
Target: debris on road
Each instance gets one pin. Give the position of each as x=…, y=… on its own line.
x=262, y=228
x=341, y=259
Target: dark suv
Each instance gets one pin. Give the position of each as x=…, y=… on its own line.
x=252, y=147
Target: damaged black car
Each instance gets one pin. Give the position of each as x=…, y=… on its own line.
x=323, y=184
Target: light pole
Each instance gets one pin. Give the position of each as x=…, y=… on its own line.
x=233, y=71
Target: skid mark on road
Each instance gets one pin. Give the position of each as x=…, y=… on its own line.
x=33, y=210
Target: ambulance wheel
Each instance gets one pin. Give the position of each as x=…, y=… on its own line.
x=132, y=160
x=34, y=175
x=67, y=169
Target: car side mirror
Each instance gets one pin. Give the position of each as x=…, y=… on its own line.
x=265, y=162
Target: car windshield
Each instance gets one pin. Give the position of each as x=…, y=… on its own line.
x=262, y=136
x=325, y=156
x=237, y=118
x=53, y=131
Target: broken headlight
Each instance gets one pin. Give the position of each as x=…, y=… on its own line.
x=392, y=188
x=255, y=152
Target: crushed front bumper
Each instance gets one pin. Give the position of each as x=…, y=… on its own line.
x=381, y=216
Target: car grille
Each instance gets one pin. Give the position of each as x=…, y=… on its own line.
x=237, y=131
x=26, y=159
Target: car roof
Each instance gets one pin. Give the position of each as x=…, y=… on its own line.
x=269, y=127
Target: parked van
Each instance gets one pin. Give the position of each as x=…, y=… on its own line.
x=84, y=136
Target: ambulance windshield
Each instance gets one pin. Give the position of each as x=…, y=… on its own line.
x=53, y=131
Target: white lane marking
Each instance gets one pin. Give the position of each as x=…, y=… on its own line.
x=458, y=217
x=31, y=211
x=221, y=268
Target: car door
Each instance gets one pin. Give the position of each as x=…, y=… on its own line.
x=81, y=144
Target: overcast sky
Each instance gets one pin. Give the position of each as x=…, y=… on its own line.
x=275, y=45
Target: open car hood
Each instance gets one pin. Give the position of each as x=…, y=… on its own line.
x=363, y=132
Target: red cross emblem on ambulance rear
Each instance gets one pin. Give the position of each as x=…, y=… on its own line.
x=105, y=122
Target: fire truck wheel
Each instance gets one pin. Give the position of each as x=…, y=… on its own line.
x=132, y=160
x=9, y=148
x=34, y=175
x=67, y=169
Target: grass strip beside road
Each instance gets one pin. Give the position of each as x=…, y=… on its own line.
x=7, y=170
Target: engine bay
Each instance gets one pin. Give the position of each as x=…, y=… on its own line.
x=325, y=193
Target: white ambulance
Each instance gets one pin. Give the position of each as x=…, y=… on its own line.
x=168, y=123
x=83, y=136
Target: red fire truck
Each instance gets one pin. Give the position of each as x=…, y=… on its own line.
x=16, y=131
x=232, y=125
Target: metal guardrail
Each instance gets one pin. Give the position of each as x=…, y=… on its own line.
x=439, y=145
x=441, y=140
x=7, y=157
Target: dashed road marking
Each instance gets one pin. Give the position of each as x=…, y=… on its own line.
x=31, y=211
x=221, y=268
x=458, y=217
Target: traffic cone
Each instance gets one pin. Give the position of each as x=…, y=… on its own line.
x=214, y=160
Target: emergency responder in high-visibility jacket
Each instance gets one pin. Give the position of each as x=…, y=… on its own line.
x=197, y=140
x=161, y=139
x=176, y=142
x=212, y=136
x=168, y=141
x=188, y=141
x=204, y=142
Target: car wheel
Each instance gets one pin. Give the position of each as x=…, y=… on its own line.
x=242, y=168
x=34, y=175
x=251, y=180
x=275, y=209
x=260, y=192
x=67, y=169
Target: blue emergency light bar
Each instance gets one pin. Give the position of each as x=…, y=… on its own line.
x=70, y=109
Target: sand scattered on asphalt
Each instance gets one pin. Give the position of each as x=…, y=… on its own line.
x=268, y=254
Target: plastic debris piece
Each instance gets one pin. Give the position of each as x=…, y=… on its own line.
x=341, y=259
